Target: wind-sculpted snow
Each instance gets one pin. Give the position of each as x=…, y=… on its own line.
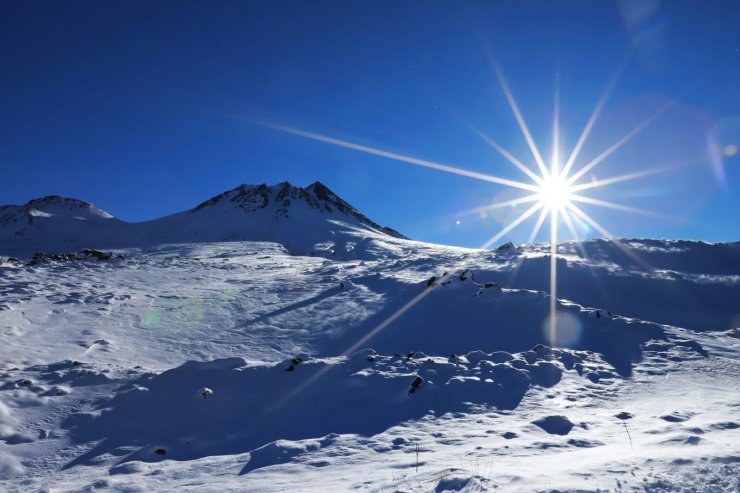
x=686, y=284
x=246, y=366
x=453, y=316
x=248, y=406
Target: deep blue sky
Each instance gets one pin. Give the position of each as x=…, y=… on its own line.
x=139, y=107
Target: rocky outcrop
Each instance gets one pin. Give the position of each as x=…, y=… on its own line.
x=284, y=196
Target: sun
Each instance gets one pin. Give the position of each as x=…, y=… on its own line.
x=555, y=193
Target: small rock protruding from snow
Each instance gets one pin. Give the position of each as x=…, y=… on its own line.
x=506, y=246
x=205, y=392
x=294, y=362
x=416, y=384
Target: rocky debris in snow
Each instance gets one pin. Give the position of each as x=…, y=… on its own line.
x=294, y=362
x=487, y=285
x=90, y=252
x=40, y=257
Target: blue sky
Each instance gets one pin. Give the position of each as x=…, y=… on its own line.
x=143, y=108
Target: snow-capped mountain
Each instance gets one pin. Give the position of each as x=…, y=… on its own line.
x=311, y=219
x=51, y=217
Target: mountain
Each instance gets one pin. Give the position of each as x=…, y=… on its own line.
x=314, y=350
x=52, y=215
x=311, y=219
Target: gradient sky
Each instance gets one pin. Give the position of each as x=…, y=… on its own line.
x=143, y=107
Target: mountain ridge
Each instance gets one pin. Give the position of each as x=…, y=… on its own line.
x=283, y=213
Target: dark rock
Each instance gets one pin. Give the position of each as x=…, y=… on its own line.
x=416, y=384
x=506, y=246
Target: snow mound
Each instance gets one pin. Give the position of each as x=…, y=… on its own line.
x=555, y=425
x=257, y=408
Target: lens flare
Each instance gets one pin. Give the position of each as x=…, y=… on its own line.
x=150, y=319
x=562, y=329
x=554, y=191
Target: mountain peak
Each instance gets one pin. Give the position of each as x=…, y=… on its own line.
x=51, y=206
x=52, y=200
x=281, y=199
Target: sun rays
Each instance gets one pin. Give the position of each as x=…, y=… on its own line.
x=553, y=191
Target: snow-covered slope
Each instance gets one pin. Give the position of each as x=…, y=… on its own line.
x=250, y=366
x=53, y=221
x=311, y=219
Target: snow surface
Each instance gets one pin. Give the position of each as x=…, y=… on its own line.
x=284, y=366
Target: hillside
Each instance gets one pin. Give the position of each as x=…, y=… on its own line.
x=246, y=366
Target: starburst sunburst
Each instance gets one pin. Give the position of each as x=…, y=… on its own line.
x=553, y=191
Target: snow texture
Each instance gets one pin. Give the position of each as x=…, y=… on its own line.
x=276, y=339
